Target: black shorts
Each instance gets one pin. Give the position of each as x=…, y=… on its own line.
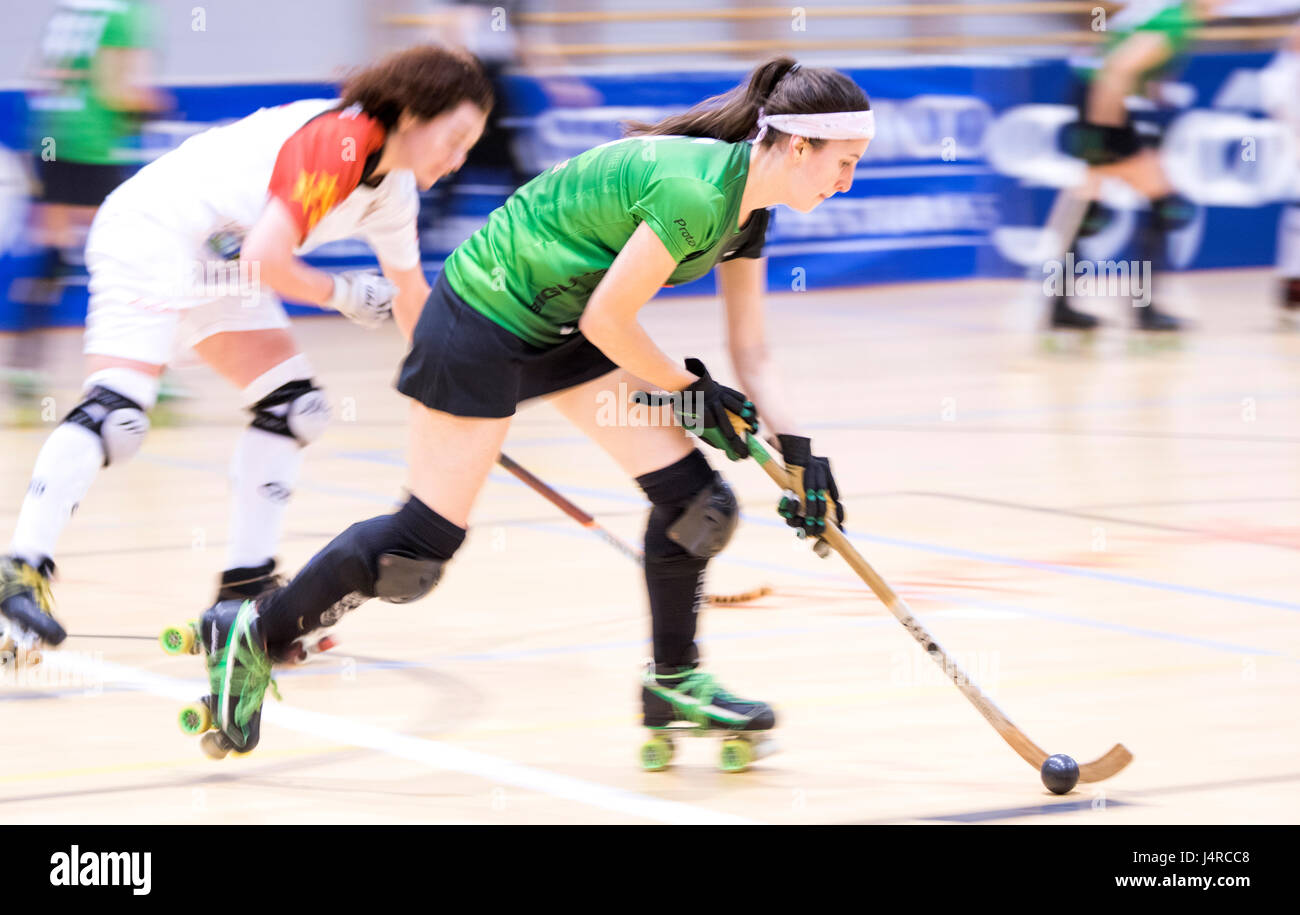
x=79, y=184
x=466, y=364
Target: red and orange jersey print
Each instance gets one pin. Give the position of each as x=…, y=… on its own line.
x=322, y=163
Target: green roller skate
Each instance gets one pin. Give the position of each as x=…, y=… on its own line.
x=686, y=701
x=239, y=674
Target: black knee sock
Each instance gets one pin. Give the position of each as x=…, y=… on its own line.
x=341, y=577
x=674, y=578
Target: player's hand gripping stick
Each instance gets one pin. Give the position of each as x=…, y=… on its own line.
x=708, y=410
x=1112, y=762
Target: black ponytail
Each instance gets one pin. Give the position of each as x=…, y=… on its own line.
x=778, y=86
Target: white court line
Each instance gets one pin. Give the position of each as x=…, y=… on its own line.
x=429, y=752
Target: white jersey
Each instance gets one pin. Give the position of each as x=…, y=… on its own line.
x=194, y=204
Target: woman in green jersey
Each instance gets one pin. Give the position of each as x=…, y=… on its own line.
x=543, y=301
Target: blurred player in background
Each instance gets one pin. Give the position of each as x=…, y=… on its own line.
x=1280, y=91
x=543, y=301
x=195, y=251
x=491, y=31
x=94, y=87
x=1146, y=41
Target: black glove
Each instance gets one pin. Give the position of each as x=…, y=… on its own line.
x=705, y=408
x=805, y=507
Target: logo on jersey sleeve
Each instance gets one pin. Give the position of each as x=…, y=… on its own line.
x=686, y=234
x=316, y=193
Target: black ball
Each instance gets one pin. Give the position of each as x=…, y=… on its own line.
x=1060, y=773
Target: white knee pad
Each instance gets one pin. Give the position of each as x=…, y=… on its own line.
x=287, y=402
x=297, y=410
x=114, y=408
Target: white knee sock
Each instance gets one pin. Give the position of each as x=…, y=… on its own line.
x=263, y=473
x=67, y=464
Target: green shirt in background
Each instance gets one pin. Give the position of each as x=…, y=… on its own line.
x=533, y=267
x=69, y=110
x=1174, y=19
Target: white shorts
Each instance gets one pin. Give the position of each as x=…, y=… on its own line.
x=159, y=336
x=154, y=295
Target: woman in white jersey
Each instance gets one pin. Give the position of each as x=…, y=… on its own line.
x=196, y=251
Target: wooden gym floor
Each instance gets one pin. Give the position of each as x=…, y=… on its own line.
x=1103, y=533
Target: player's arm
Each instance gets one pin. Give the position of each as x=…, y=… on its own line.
x=610, y=318
x=1120, y=74
x=270, y=244
x=309, y=178
x=702, y=406
x=742, y=282
x=412, y=291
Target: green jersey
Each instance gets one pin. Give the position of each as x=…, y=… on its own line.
x=533, y=267
x=1173, y=19
x=70, y=110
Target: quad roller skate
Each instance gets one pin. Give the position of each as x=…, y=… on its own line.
x=686, y=701
x=239, y=666
x=250, y=584
x=1290, y=303
x=26, y=621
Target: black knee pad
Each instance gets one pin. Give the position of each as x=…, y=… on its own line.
x=403, y=553
x=118, y=421
x=695, y=512
x=402, y=579
x=296, y=410
x=1098, y=144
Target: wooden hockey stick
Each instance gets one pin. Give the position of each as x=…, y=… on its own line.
x=590, y=523
x=1098, y=770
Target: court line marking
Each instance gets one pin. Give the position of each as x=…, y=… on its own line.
x=1110, y=519
x=435, y=755
x=1099, y=801
x=938, y=686
x=571, y=531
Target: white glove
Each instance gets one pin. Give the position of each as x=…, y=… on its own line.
x=364, y=297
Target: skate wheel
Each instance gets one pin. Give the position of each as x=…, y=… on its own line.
x=177, y=640
x=215, y=745
x=736, y=755
x=195, y=718
x=656, y=754
x=33, y=657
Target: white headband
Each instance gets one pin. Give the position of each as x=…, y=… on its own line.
x=834, y=125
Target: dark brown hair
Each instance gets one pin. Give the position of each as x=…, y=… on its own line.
x=778, y=86
x=425, y=80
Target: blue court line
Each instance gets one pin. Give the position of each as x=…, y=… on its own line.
x=1213, y=644
x=570, y=531
x=574, y=532
x=644, y=644
x=922, y=546
x=963, y=600
x=1009, y=813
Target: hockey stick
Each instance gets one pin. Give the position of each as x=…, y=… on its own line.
x=590, y=523
x=1098, y=770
